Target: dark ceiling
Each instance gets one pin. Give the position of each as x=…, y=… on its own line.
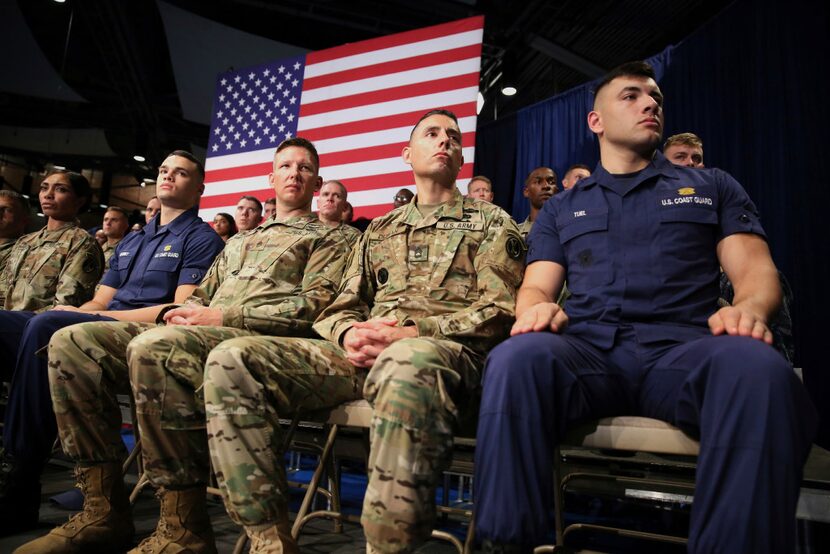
x=117, y=55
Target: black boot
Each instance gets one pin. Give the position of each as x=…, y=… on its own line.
x=19, y=495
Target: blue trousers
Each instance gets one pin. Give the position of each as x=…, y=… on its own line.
x=737, y=395
x=29, y=428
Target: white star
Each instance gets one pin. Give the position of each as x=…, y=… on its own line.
x=262, y=106
x=266, y=131
x=279, y=102
x=243, y=143
x=288, y=76
x=224, y=82
x=249, y=92
x=222, y=138
x=285, y=93
x=239, y=119
x=281, y=68
x=228, y=145
x=297, y=65
x=231, y=128
x=264, y=90
x=221, y=97
x=219, y=114
x=294, y=83
x=293, y=99
x=256, y=99
x=215, y=147
x=266, y=73
x=241, y=101
x=233, y=111
x=268, y=113
x=245, y=126
x=287, y=136
x=258, y=82
x=257, y=140
x=247, y=109
x=259, y=123
x=253, y=116
x=237, y=79
x=283, y=110
x=217, y=131
x=225, y=121
x=235, y=95
x=236, y=136
x=227, y=104
x=273, y=138
x=272, y=79
x=251, y=75
x=251, y=133
x=275, y=120
x=229, y=88
x=271, y=96
x=244, y=86
x=279, y=86
x=281, y=128
x=290, y=117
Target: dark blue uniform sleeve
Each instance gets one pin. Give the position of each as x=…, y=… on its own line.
x=200, y=250
x=543, y=240
x=736, y=212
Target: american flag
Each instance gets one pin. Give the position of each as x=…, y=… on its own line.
x=356, y=102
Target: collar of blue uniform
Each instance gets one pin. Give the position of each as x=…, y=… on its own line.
x=659, y=166
x=454, y=209
x=177, y=226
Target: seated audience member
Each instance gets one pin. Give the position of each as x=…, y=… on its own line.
x=153, y=207
x=224, y=225
x=61, y=263
x=575, y=174
x=162, y=263
x=115, y=227
x=402, y=198
x=270, y=207
x=423, y=299
x=480, y=187
x=14, y=216
x=100, y=238
x=644, y=336
x=330, y=207
x=540, y=185
x=274, y=279
x=684, y=149
x=248, y=213
x=136, y=227
x=348, y=214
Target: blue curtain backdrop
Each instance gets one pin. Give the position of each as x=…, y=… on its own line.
x=752, y=84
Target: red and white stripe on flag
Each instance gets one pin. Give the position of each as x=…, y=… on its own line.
x=358, y=104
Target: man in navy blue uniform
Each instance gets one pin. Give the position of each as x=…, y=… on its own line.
x=639, y=242
x=161, y=264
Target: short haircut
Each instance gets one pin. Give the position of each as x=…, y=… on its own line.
x=22, y=203
x=485, y=179
x=341, y=185
x=300, y=142
x=188, y=156
x=253, y=199
x=430, y=113
x=578, y=166
x=629, y=69
x=118, y=209
x=80, y=186
x=271, y=200
x=686, y=139
x=555, y=176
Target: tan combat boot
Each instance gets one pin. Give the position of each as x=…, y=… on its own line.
x=183, y=526
x=275, y=539
x=104, y=525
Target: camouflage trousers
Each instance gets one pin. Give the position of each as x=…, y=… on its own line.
x=87, y=368
x=167, y=366
x=419, y=388
x=249, y=384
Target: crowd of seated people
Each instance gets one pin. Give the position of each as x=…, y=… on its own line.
x=440, y=305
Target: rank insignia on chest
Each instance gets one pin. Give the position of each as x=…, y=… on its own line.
x=418, y=253
x=167, y=248
x=685, y=191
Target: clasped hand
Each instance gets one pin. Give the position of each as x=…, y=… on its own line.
x=365, y=340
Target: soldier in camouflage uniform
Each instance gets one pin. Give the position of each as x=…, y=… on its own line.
x=540, y=185
x=275, y=278
x=429, y=290
x=115, y=225
x=331, y=205
x=61, y=263
x=14, y=216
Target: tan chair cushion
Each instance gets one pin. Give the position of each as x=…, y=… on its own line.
x=357, y=413
x=638, y=434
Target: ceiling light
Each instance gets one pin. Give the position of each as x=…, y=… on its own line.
x=139, y=158
x=60, y=1
x=508, y=90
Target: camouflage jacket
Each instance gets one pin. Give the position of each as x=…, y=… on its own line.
x=525, y=227
x=276, y=278
x=5, y=250
x=453, y=274
x=352, y=234
x=49, y=268
x=108, y=251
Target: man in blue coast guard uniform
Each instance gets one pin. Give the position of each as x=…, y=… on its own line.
x=640, y=242
x=162, y=263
